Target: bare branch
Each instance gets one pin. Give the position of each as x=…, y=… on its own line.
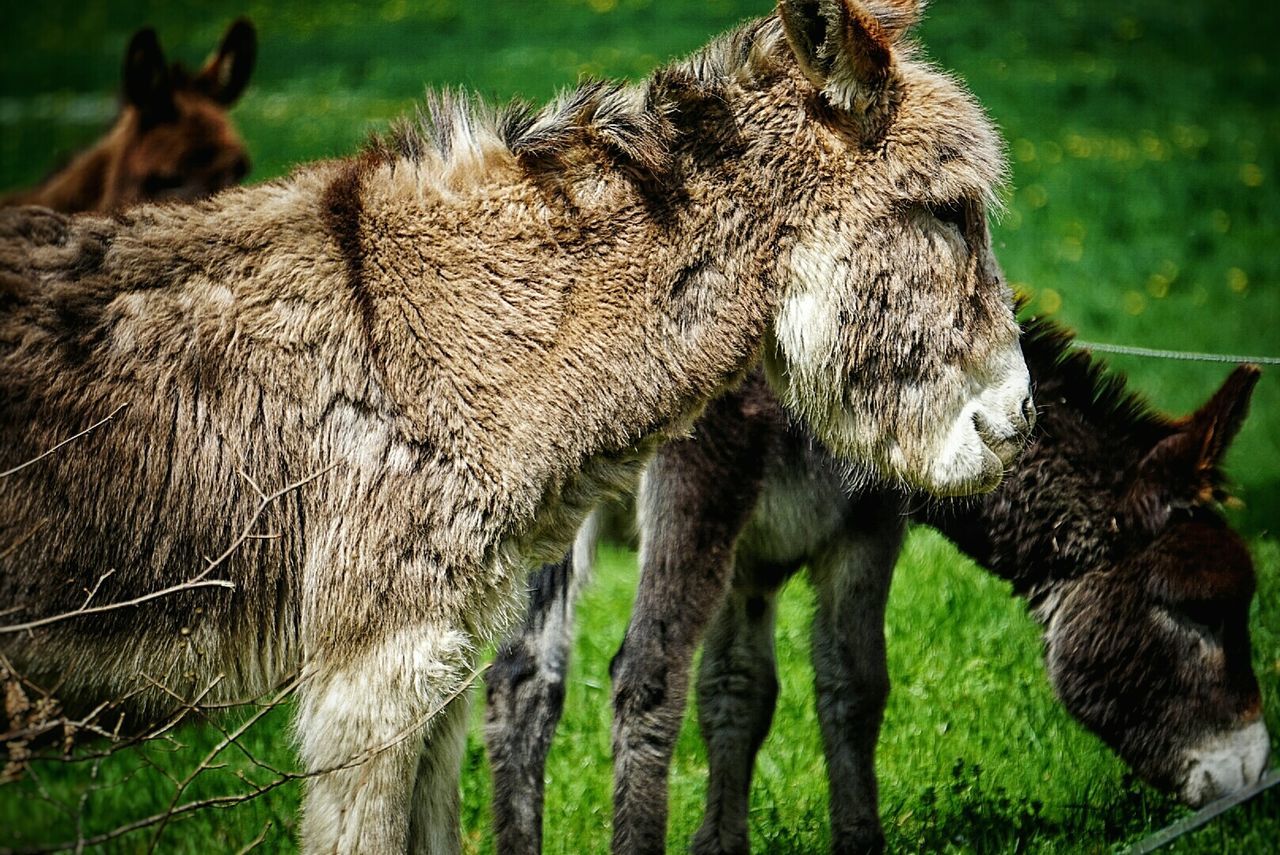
x=264, y=501
x=217, y=749
x=84, y=800
x=252, y=483
x=17, y=544
x=97, y=585
x=177, y=809
x=257, y=841
x=89, y=429
x=123, y=604
x=200, y=580
x=42, y=714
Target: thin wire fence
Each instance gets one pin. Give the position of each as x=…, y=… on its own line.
x=1183, y=355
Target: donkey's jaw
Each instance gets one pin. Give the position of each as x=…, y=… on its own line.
x=1225, y=763
x=965, y=465
x=970, y=453
x=976, y=432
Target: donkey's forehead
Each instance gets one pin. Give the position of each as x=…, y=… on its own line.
x=1199, y=557
x=201, y=113
x=941, y=144
x=1186, y=563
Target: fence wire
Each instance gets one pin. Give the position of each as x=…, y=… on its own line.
x=1184, y=355
x=1209, y=812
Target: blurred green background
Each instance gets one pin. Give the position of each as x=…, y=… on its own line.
x=1145, y=143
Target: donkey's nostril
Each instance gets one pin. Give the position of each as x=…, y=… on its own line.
x=1029, y=412
x=983, y=427
x=239, y=169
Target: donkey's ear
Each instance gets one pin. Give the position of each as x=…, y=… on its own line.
x=1182, y=470
x=845, y=47
x=227, y=72
x=147, y=84
x=896, y=17
x=1219, y=420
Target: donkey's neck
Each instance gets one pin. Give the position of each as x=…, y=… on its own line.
x=81, y=184
x=563, y=317
x=628, y=310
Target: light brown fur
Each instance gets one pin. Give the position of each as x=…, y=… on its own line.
x=469, y=334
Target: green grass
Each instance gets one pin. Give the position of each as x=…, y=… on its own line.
x=1145, y=144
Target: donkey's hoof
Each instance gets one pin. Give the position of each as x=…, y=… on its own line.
x=710, y=841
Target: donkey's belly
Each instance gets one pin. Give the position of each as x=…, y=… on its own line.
x=150, y=678
x=803, y=505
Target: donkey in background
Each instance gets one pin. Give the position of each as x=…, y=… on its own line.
x=172, y=139
x=453, y=346
x=1105, y=526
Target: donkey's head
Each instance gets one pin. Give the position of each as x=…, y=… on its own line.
x=173, y=139
x=1151, y=649
x=895, y=335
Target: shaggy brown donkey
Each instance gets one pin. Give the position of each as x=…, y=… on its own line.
x=454, y=346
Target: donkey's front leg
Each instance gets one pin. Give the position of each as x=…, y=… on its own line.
x=851, y=580
x=650, y=677
x=737, y=690
x=694, y=503
x=365, y=718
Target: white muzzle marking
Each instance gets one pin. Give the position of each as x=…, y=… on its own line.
x=973, y=451
x=1225, y=763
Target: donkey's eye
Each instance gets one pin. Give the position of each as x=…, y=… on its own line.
x=1206, y=613
x=954, y=212
x=1201, y=619
x=200, y=157
x=158, y=182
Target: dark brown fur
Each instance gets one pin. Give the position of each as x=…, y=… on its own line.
x=343, y=208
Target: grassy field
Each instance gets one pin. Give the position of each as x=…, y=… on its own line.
x=1145, y=143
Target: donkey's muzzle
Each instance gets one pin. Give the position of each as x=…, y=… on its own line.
x=1225, y=764
x=1006, y=441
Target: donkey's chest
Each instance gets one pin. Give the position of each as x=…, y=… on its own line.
x=802, y=507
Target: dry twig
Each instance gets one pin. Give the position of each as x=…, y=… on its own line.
x=200, y=580
x=30, y=718
x=111, y=415
x=178, y=809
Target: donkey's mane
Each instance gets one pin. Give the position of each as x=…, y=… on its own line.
x=1100, y=393
x=628, y=122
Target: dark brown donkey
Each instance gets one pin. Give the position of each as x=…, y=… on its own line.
x=172, y=139
x=1106, y=526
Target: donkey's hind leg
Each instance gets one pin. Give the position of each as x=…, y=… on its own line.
x=851, y=580
x=525, y=687
x=737, y=690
